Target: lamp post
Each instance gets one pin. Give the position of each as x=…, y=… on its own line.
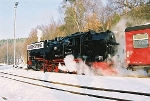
x=15, y=7
x=7, y=51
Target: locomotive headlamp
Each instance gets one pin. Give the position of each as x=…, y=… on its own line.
x=55, y=48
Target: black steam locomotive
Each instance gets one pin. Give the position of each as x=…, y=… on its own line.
x=89, y=46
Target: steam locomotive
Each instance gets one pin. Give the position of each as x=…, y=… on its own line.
x=91, y=47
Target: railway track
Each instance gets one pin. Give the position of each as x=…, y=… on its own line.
x=100, y=93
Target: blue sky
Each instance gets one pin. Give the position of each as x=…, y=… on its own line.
x=30, y=13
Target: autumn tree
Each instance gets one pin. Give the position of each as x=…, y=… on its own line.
x=52, y=30
x=81, y=15
x=73, y=11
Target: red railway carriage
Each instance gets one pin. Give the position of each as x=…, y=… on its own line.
x=137, y=40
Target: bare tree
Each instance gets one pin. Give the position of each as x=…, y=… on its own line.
x=125, y=5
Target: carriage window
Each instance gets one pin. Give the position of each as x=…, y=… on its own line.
x=140, y=40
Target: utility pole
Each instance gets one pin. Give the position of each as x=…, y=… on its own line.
x=15, y=7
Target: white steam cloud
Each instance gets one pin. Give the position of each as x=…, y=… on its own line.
x=39, y=34
x=72, y=66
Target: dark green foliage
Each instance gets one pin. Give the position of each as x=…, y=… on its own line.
x=139, y=15
x=116, y=18
x=142, y=12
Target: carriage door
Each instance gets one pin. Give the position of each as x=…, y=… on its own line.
x=140, y=52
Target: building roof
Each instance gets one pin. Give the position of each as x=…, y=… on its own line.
x=141, y=27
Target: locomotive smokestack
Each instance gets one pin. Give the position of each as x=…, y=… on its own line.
x=39, y=34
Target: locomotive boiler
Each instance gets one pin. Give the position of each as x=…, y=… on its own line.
x=90, y=46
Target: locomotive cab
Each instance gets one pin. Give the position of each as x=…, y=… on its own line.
x=99, y=46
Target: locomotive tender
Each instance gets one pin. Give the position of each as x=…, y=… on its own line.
x=89, y=46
